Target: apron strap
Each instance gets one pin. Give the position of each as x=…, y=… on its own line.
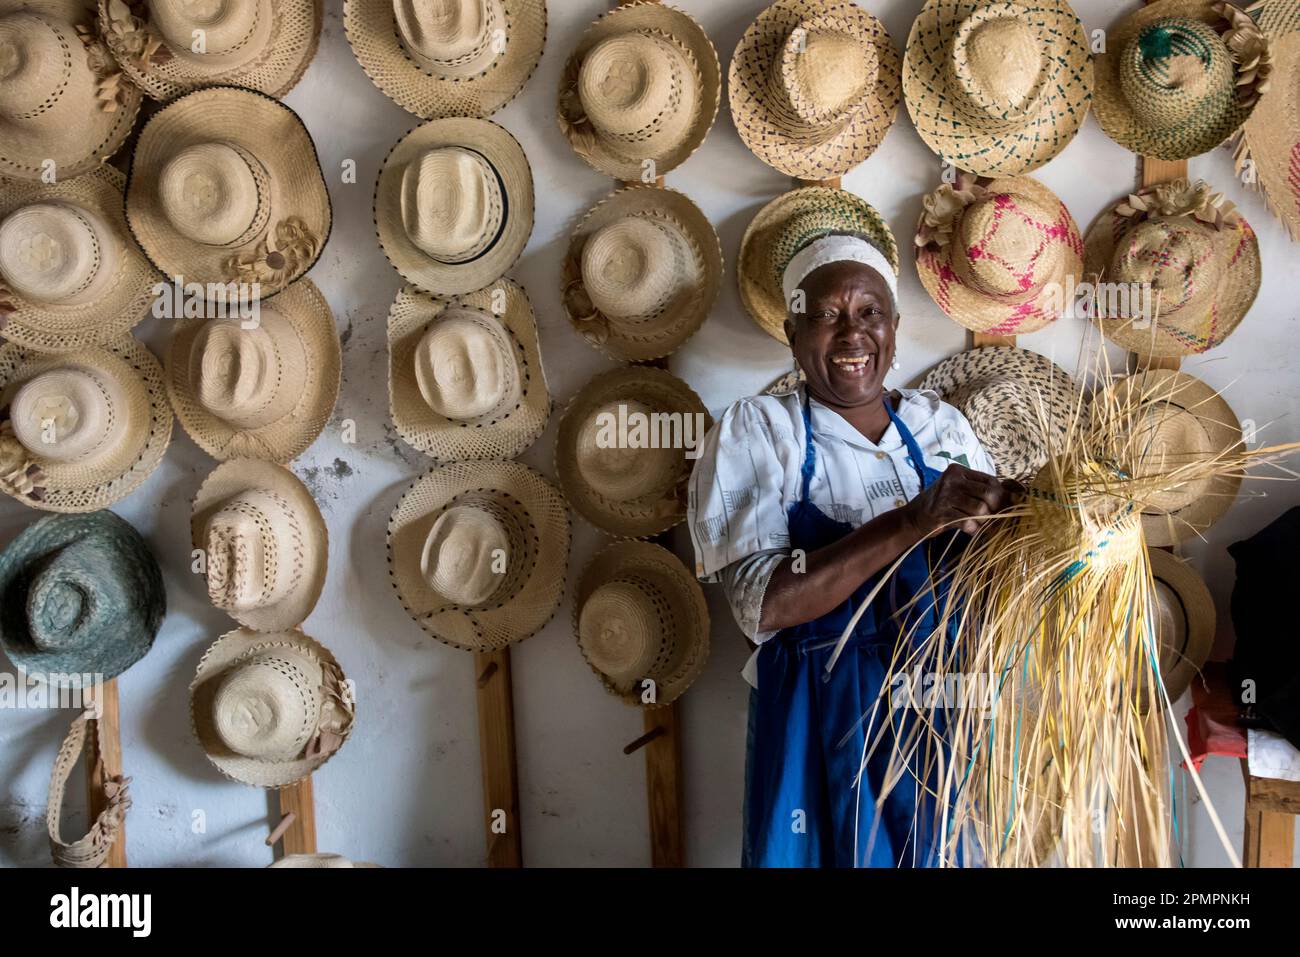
x=809, y=454
x=926, y=474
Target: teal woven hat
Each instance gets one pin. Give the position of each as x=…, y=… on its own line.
x=79, y=595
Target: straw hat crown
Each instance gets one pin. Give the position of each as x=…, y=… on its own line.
x=453, y=205
x=998, y=67
x=70, y=414
x=268, y=704
x=233, y=31
x=251, y=543
x=465, y=366
x=477, y=552
x=215, y=193
x=452, y=38
x=58, y=253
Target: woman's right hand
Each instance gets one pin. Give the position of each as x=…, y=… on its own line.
x=957, y=498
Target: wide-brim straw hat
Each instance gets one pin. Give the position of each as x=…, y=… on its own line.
x=66, y=108
x=636, y=487
x=814, y=86
x=289, y=525
x=81, y=595
x=652, y=57
x=1178, y=77
x=997, y=88
x=1191, y=251
x=304, y=387
x=506, y=194
x=523, y=401
x=997, y=256
x=786, y=225
x=133, y=416
x=639, y=615
x=529, y=513
x=650, y=245
x=290, y=686
x=267, y=45
x=319, y=861
x=475, y=81
x=1185, y=620
x=254, y=171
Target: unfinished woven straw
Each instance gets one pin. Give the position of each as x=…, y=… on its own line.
x=477, y=553
x=91, y=849
x=640, y=91
x=1185, y=621
x=448, y=57
x=997, y=88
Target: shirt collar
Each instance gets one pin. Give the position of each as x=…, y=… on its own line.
x=915, y=408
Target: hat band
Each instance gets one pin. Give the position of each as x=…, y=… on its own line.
x=501, y=226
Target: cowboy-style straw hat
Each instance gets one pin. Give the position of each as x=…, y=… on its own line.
x=1179, y=77
x=82, y=429
x=454, y=205
x=454, y=58
x=464, y=382
x=226, y=187
x=264, y=45
x=62, y=100
x=640, y=616
x=1185, y=622
x=477, y=553
x=270, y=709
x=643, y=271
x=814, y=86
x=996, y=254
x=786, y=225
x=640, y=91
x=1192, y=253
x=997, y=87
x=81, y=595
x=263, y=392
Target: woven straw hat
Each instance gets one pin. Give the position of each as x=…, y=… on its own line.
x=631, y=483
x=264, y=45
x=785, y=226
x=814, y=86
x=642, y=86
x=1195, y=253
x=454, y=205
x=264, y=392
x=448, y=57
x=1179, y=77
x=1185, y=621
x=1019, y=403
x=464, y=383
x=79, y=595
x=477, y=553
x=998, y=255
x=997, y=88
x=83, y=429
x=643, y=271
x=270, y=709
x=226, y=187
x=264, y=541
x=317, y=861
x=639, y=615
x=62, y=99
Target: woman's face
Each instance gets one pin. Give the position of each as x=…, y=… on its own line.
x=844, y=339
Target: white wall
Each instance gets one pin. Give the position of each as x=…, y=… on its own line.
x=405, y=790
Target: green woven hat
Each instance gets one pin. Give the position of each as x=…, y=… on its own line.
x=79, y=594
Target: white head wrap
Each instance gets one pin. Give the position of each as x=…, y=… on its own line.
x=836, y=249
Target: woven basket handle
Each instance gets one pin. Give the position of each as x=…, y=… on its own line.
x=92, y=849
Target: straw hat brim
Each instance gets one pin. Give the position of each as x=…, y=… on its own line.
x=751, y=108
x=529, y=608
x=684, y=318
x=1272, y=134
x=506, y=155
x=285, y=439
x=240, y=475
x=447, y=440
x=1197, y=607
x=373, y=35
x=76, y=487
x=52, y=327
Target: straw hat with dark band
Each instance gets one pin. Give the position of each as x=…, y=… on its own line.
x=996, y=87
x=1185, y=621
x=456, y=58
x=643, y=272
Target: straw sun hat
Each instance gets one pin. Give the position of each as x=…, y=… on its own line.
x=62, y=99
x=454, y=205
x=270, y=709
x=450, y=57
x=1197, y=256
x=1179, y=77
x=643, y=271
x=814, y=86
x=640, y=91
x=464, y=382
x=264, y=45
x=82, y=429
x=1185, y=621
x=997, y=88
x=226, y=187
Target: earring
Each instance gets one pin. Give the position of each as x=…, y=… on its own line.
x=894, y=365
